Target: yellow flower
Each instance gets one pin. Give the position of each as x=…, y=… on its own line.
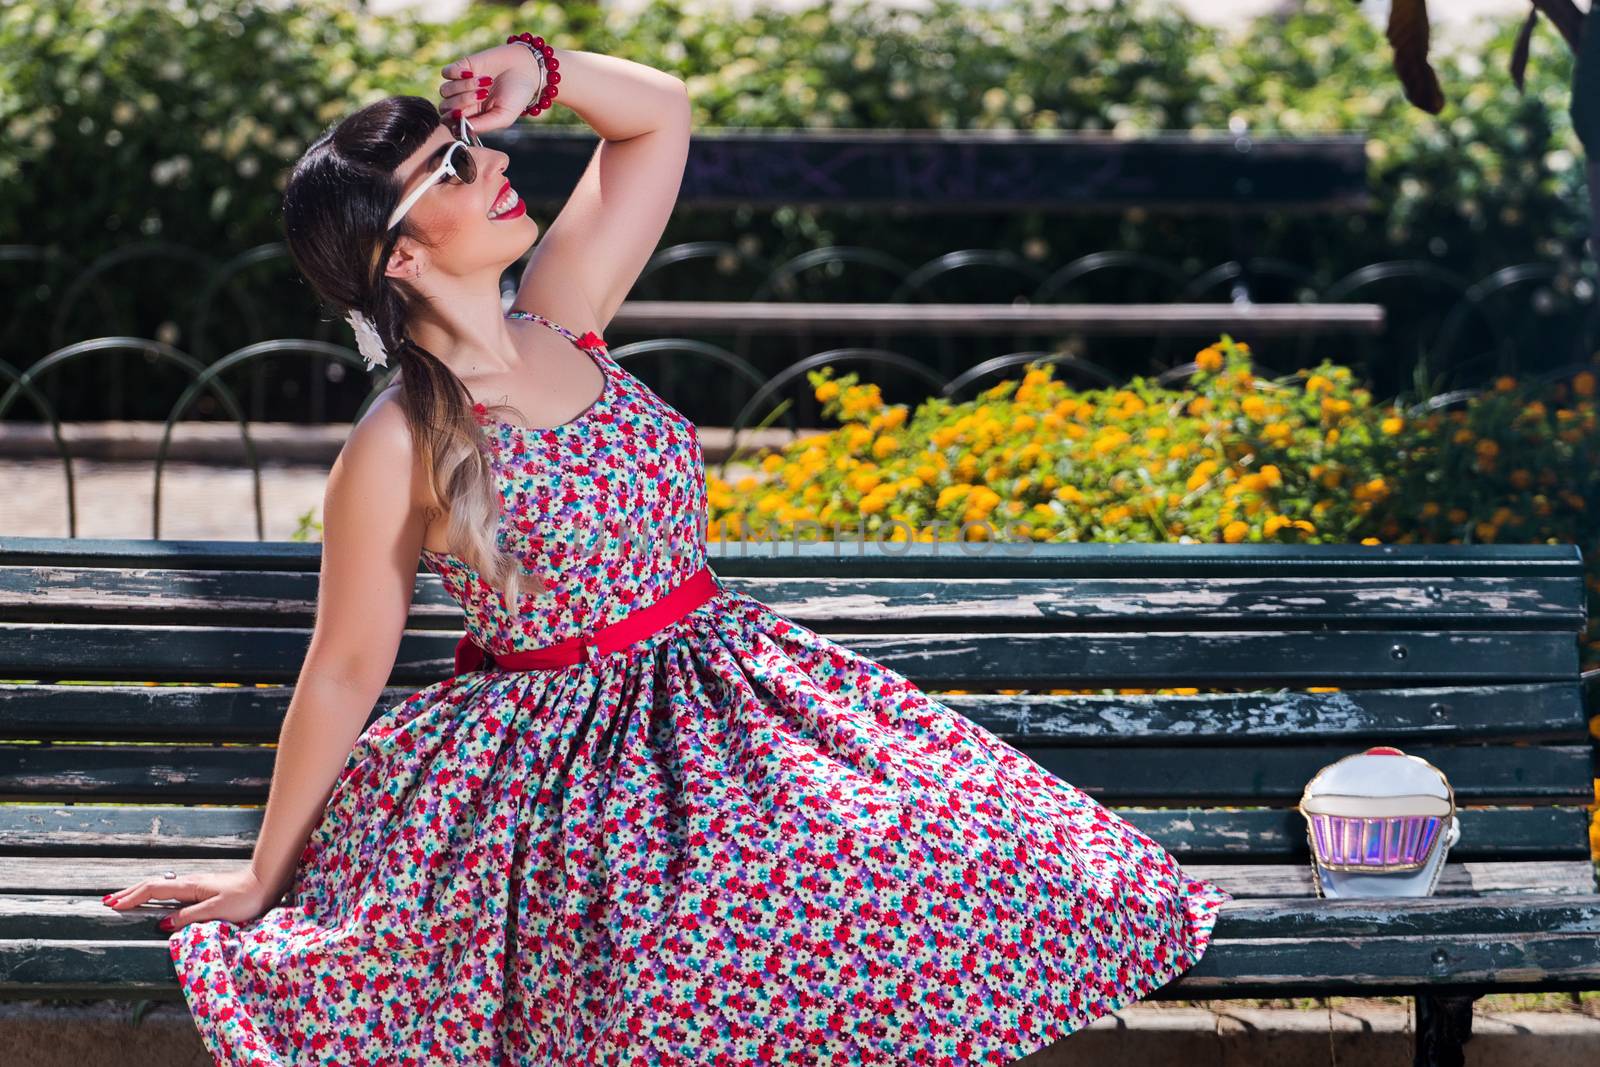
x=1392, y=425
x=1235, y=532
x=1373, y=488
x=952, y=493
x=1209, y=359
x=1109, y=440
x=981, y=501
x=1069, y=494
x=1583, y=383
x=865, y=481
x=827, y=391
x=1202, y=473
x=1334, y=406
x=1505, y=383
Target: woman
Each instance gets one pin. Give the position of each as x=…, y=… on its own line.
x=707, y=836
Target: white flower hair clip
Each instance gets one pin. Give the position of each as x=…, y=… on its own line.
x=367, y=339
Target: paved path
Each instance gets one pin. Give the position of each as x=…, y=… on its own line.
x=207, y=491
x=197, y=500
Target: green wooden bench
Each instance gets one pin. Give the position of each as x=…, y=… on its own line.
x=1465, y=655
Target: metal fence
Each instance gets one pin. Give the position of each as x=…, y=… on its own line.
x=1447, y=337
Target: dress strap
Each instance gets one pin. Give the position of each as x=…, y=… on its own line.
x=556, y=326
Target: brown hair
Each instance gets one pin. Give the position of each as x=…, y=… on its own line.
x=335, y=207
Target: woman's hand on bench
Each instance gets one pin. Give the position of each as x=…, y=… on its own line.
x=236, y=896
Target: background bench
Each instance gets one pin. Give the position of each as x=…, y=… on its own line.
x=1465, y=655
x=772, y=313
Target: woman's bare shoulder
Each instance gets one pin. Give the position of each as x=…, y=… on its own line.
x=379, y=446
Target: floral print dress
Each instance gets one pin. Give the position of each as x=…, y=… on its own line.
x=732, y=843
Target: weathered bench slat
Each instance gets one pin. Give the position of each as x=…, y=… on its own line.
x=56, y=594
x=1376, y=966
x=1264, y=835
x=658, y=317
x=1540, y=711
x=152, y=595
x=96, y=875
x=955, y=660
x=1267, y=967
x=70, y=918
x=1457, y=879
x=88, y=968
x=1267, y=835
x=24, y=915
x=848, y=562
x=1402, y=916
x=1160, y=776
x=1154, y=602
x=1190, y=774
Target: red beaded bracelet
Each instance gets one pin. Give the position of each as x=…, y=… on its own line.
x=548, y=65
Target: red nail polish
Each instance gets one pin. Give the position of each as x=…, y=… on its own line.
x=485, y=81
x=456, y=114
x=482, y=93
x=165, y=924
x=466, y=74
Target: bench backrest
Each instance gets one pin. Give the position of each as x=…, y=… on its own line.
x=929, y=171
x=1465, y=655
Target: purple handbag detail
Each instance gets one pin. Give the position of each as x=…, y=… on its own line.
x=1379, y=823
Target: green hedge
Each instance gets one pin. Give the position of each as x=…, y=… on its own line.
x=140, y=118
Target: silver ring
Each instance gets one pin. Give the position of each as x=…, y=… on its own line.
x=169, y=874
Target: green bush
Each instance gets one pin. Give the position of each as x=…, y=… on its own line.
x=141, y=118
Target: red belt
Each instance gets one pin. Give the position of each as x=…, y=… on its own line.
x=687, y=595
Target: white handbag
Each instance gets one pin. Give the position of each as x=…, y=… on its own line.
x=1379, y=824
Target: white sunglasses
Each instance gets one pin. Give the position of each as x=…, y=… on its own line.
x=465, y=172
